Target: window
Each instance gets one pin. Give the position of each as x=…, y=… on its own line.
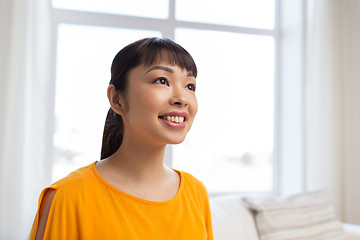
x=231, y=145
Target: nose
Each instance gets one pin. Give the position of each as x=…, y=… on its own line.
x=178, y=101
x=178, y=98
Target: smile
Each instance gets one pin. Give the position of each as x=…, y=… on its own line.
x=174, y=119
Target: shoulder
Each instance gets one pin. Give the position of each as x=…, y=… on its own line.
x=190, y=178
x=194, y=189
x=192, y=183
x=72, y=190
x=78, y=176
x=61, y=194
x=73, y=177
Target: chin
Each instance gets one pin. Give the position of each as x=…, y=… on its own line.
x=176, y=140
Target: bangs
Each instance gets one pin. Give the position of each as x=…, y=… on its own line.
x=156, y=50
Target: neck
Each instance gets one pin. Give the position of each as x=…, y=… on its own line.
x=139, y=161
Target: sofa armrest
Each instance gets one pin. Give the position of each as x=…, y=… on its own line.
x=231, y=219
x=352, y=231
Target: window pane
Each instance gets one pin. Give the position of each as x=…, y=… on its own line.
x=230, y=146
x=243, y=13
x=153, y=8
x=84, y=57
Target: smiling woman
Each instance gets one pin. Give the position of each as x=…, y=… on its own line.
x=130, y=193
x=237, y=55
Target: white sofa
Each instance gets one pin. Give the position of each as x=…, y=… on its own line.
x=232, y=220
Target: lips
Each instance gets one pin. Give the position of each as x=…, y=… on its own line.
x=174, y=119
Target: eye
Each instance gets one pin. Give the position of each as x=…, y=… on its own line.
x=162, y=81
x=191, y=87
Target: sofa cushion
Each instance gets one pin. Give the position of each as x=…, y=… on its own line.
x=231, y=219
x=304, y=216
x=352, y=231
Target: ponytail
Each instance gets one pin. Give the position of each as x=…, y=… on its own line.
x=113, y=134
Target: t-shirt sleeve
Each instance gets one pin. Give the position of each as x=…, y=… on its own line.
x=207, y=213
x=62, y=219
x=200, y=193
x=68, y=217
x=35, y=225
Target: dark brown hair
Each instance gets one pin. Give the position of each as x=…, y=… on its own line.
x=145, y=51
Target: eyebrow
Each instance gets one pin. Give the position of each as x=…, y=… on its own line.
x=190, y=74
x=161, y=68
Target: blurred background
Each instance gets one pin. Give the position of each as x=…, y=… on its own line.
x=278, y=91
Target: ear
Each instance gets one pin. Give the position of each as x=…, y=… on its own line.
x=116, y=100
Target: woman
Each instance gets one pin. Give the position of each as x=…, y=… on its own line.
x=130, y=193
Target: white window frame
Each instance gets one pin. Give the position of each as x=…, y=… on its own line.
x=288, y=34
x=290, y=127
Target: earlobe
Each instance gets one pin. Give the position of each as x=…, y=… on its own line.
x=115, y=99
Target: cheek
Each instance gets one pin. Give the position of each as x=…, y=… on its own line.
x=156, y=100
x=149, y=100
x=194, y=105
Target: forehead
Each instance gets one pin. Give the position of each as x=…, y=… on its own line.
x=171, y=58
x=160, y=58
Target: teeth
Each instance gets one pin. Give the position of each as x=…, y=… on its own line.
x=175, y=119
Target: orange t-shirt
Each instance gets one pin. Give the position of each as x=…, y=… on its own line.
x=85, y=206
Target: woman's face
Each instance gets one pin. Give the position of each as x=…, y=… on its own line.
x=161, y=104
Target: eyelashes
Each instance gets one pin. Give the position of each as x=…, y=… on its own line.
x=191, y=87
x=164, y=81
